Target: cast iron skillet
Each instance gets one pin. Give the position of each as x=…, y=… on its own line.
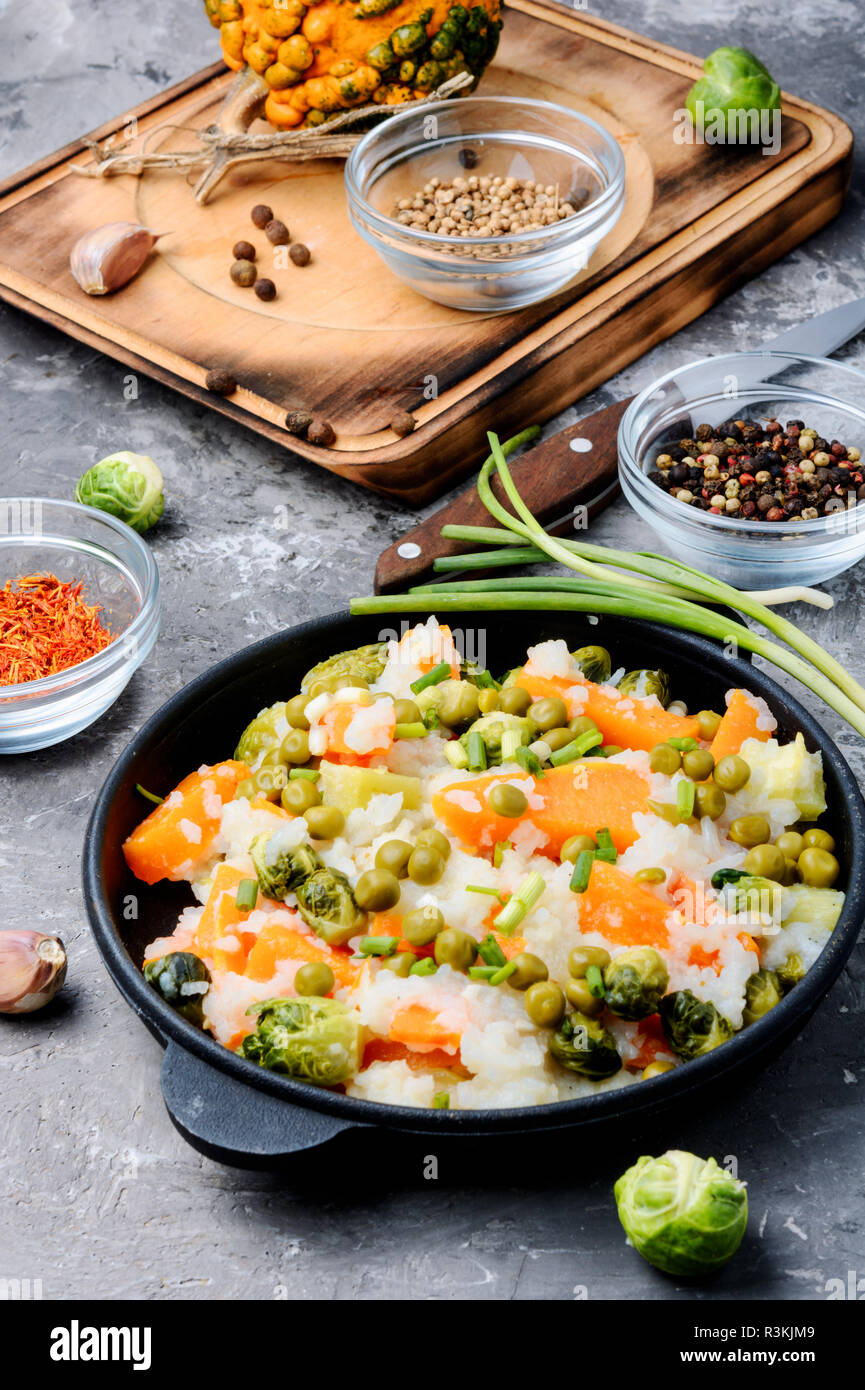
x=242, y=1114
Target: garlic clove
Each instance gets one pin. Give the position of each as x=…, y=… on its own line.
x=32, y=970
x=107, y=258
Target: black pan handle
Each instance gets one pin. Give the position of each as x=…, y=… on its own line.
x=236, y=1124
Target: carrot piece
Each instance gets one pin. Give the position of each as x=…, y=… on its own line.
x=622, y=719
x=624, y=912
x=510, y=945
x=692, y=901
x=176, y=838
x=384, y=1050
x=703, y=959
x=223, y=918
x=738, y=724
x=651, y=1041
x=278, y=942
x=572, y=800
x=336, y=721
x=419, y=1028
x=748, y=942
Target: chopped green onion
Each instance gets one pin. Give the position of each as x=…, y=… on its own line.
x=574, y=750
x=482, y=972
x=416, y=730
x=512, y=739
x=582, y=870
x=434, y=677
x=425, y=966
x=491, y=952
x=441, y=1101
x=431, y=717
x=377, y=945
x=247, y=894
x=456, y=754
x=499, y=852
x=477, y=752
x=504, y=973
x=529, y=761
x=477, y=888
x=685, y=797
x=606, y=849
x=521, y=903
x=306, y=774
x=595, y=981
x=683, y=745
x=484, y=681
x=151, y=796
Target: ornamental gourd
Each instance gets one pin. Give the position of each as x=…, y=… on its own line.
x=331, y=55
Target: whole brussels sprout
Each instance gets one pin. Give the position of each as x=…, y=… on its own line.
x=282, y=873
x=644, y=683
x=326, y=903
x=179, y=977
x=311, y=1039
x=585, y=1046
x=595, y=663
x=492, y=726
x=691, y=1026
x=260, y=735
x=762, y=992
x=733, y=80
x=684, y=1214
x=364, y=663
x=634, y=982
x=128, y=486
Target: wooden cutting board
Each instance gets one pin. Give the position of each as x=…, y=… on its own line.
x=349, y=342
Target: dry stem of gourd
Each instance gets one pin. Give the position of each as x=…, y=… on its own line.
x=228, y=142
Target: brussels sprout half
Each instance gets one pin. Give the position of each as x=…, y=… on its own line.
x=364, y=663
x=634, y=982
x=491, y=727
x=684, y=1214
x=311, y=1039
x=692, y=1027
x=282, y=873
x=584, y=1045
x=643, y=683
x=179, y=977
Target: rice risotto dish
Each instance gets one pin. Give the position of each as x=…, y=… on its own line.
x=427, y=887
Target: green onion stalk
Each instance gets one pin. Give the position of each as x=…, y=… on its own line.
x=653, y=587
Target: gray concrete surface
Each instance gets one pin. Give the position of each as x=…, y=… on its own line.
x=100, y=1196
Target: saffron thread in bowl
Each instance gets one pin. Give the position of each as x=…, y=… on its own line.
x=46, y=627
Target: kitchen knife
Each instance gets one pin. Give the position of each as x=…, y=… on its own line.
x=578, y=466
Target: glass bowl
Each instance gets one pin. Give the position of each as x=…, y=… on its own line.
x=746, y=385
x=507, y=136
x=39, y=535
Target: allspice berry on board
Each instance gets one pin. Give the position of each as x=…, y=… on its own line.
x=277, y=233
x=265, y=289
x=320, y=432
x=300, y=254
x=220, y=381
x=261, y=214
x=297, y=422
x=403, y=423
x=243, y=273
x=243, y=251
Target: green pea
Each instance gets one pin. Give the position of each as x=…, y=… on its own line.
x=314, y=978
x=545, y=1003
x=507, y=801
x=407, y=712
x=818, y=839
x=791, y=872
x=651, y=876
x=709, y=801
x=731, y=773
x=455, y=948
x=766, y=861
x=582, y=724
x=665, y=759
x=325, y=822
x=749, y=831
x=394, y=855
x=295, y=712
x=425, y=865
x=577, y=992
x=269, y=781
x=558, y=738
x=530, y=971
x=422, y=925
x=698, y=764
x=514, y=700
x=581, y=957
x=550, y=713
x=791, y=844
x=819, y=868
x=299, y=795
x=457, y=703
x=574, y=846
x=400, y=964
x=245, y=790
x=377, y=890
x=431, y=838
x=295, y=747
x=488, y=701
x=609, y=750
x=708, y=723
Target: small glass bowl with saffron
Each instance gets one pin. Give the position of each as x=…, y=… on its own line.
x=91, y=580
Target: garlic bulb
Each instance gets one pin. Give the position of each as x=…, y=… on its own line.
x=107, y=258
x=32, y=969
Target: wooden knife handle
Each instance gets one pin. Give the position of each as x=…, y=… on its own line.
x=576, y=467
